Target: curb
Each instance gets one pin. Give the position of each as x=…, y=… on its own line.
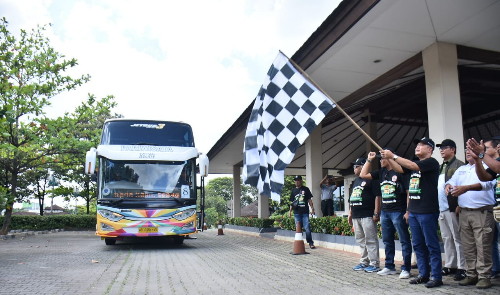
x=21, y=233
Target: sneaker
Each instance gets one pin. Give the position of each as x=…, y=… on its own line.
x=419, y=280
x=460, y=275
x=386, y=271
x=483, y=284
x=360, y=266
x=312, y=246
x=372, y=268
x=433, y=283
x=448, y=271
x=404, y=274
x=468, y=281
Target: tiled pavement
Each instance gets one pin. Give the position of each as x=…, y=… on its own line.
x=235, y=263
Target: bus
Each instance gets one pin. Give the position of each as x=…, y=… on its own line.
x=147, y=185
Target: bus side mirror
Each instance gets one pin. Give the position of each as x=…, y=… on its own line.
x=90, y=159
x=203, y=160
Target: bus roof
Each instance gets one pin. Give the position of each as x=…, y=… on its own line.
x=142, y=120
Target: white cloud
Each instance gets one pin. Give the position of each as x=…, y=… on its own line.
x=201, y=62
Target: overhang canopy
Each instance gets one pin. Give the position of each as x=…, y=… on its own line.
x=367, y=56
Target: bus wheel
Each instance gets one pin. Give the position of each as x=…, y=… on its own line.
x=178, y=240
x=109, y=241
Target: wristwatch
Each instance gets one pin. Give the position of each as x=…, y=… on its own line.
x=375, y=214
x=481, y=155
x=395, y=157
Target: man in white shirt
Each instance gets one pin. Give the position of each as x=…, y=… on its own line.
x=476, y=201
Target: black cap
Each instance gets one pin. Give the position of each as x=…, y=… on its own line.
x=298, y=177
x=447, y=142
x=425, y=140
x=359, y=161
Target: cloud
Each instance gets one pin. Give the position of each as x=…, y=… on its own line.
x=201, y=62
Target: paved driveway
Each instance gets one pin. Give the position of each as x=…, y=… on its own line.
x=80, y=263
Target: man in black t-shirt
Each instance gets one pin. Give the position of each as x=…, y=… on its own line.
x=303, y=196
x=392, y=220
x=364, y=212
x=423, y=209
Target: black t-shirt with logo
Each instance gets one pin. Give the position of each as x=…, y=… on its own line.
x=423, y=187
x=303, y=194
x=362, y=199
x=392, y=189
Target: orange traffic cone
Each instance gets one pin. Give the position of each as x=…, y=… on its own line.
x=220, y=232
x=298, y=244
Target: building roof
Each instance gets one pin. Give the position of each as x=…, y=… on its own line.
x=367, y=55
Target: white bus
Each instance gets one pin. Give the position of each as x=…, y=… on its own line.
x=147, y=182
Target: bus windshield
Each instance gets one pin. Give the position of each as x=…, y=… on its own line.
x=125, y=179
x=124, y=132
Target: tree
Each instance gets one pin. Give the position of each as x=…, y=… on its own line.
x=31, y=73
x=283, y=206
x=81, y=130
x=220, y=190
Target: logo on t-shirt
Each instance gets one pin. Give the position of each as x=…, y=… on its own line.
x=414, y=188
x=301, y=198
x=356, y=198
x=388, y=189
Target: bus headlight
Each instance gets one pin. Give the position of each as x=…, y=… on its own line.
x=184, y=214
x=106, y=227
x=110, y=215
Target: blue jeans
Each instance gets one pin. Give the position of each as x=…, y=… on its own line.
x=426, y=244
x=393, y=222
x=304, y=220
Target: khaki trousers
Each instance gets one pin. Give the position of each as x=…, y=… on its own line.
x=476, y=233
x=365, y=231
x=450, y=233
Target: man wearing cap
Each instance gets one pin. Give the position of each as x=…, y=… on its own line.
x=393, y=191
x=301, y=212
x=364, y=213
x=327, y=186
x=448, y=220
x=423, y=209
x=476, y=202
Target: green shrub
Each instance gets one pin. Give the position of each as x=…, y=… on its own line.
x=252, y=222
x=48, y=222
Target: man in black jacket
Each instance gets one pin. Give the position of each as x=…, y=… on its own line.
x=448, y=216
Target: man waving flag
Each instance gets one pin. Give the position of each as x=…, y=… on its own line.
x=287, y=109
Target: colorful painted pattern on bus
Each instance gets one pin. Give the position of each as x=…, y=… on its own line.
x=145, y=222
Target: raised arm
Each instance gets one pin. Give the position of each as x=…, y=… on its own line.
x=367, y=167
x=402, y=162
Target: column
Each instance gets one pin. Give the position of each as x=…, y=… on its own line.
x=236, y=192
x=314, y=167
x=443, y=96
x=263, y=206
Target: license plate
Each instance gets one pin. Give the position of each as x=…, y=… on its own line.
x=143, y=230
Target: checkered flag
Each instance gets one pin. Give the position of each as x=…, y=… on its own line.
x=287, y=109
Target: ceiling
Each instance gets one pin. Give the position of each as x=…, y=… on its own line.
x=367, y=56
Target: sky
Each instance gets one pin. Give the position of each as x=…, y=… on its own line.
x=200, y=62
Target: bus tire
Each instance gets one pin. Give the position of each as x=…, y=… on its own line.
x=110, y=241
x=178, y=240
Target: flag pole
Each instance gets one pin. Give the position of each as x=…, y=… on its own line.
x=337, y=105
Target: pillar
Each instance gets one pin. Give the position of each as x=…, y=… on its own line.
x=443, y=96
x=314, y=166
x=236, y=192
x=263, y=209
